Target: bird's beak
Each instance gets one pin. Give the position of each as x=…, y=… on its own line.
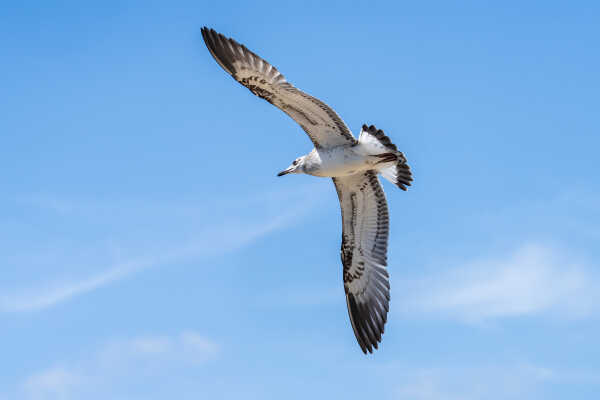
x=282, y=173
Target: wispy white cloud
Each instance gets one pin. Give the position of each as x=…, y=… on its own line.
x=53, y=383
x=119, y=363
x=516, y=380
x=152, y=351
x=532, y=280
x=218, y=228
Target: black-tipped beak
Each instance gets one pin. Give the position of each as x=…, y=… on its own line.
x=282, y=173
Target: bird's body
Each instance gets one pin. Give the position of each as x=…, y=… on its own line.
x=336, y=161
x=343, y=160
x=352, y=163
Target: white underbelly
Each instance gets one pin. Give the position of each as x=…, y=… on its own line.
x=341, y=162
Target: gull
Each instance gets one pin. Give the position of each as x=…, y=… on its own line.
x=352, y=164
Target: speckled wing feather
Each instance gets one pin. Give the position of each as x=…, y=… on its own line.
x=324, y=127
x=365, y=229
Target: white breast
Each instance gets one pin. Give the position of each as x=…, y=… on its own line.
x=339, y=161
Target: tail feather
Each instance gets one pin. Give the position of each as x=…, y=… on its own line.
x=393, y=167
x=398, y=173
x=376, y=137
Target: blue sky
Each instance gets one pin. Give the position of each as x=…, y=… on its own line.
x=148, y=250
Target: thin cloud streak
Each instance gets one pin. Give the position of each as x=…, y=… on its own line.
x=41, y=298
x=228, y=234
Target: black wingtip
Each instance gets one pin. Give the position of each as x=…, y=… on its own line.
x=354, y=320
x=366, y=330
x=222, y=53
x=205, y=30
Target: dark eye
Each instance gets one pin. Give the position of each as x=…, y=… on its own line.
x=295, y=162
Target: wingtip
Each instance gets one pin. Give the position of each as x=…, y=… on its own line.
x=205, y=34
x=205, y=30
x=209, y=34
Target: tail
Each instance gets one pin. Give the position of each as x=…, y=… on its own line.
x=393, y=166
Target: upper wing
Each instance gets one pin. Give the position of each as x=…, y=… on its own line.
x=365, y=231
x=324, y=127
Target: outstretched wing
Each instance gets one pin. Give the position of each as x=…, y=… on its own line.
x=324, y=127
x=365, y=229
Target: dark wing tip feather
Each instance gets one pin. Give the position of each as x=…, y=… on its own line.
x=368, y=320
x=226, y=51
x=355, y=319
x=215, y=43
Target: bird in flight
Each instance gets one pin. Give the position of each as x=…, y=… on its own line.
x=352, y=164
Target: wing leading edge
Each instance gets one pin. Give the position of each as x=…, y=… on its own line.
x=322, y=124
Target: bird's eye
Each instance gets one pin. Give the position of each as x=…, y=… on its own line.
x=295, y=162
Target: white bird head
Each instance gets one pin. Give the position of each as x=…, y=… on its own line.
x=297, y=167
